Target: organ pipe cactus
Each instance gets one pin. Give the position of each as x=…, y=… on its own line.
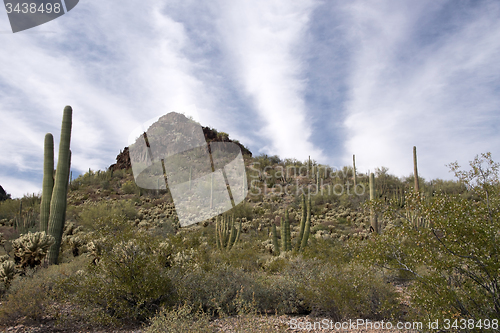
x=302, y=222
x=286, y=244
x=307, y=226
x=399, y=197
x=58, y=196
x=226, y=234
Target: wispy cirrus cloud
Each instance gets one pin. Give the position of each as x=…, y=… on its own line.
x=263, y=43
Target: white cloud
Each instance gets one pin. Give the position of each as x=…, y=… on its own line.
x=263, y=40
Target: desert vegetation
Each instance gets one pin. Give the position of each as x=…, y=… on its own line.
x=388, y=248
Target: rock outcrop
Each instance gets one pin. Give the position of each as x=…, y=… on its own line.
x=179, y=134
x=3, y=194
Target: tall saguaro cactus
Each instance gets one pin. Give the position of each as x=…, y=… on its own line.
x=59, y=193
x=48, y=181
x=373, y=216
x=275, y=241
x=354, y=170
x=415, y=173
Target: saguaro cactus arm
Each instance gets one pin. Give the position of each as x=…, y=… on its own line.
x=48, y=181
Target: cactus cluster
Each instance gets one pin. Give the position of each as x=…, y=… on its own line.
x=305, y=227
x=399, y=197
x=226, y=234
x=31, y=248
x=54, y=190
x=7, y=272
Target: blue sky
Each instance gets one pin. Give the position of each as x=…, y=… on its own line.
x=327, y=79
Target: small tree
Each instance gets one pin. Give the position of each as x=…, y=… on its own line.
x=454, y=258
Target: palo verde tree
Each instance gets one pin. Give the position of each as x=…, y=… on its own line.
x=453, y=258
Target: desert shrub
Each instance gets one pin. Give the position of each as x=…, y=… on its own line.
x=105, y=184
x=278, y=294
x=129, y=187
x=31, y=296
x=275, y=264
x=243, y=210
x=344, y=291
x=215, y=291
x=182, y=319
x=9, y=208
x=243, y=255
x=92, y=212
x=127, y=283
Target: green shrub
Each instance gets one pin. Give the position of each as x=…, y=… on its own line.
x=93, y=212
x=31, y=297
x=129, y=187
x=243, y=210
x=214, y=291
x=344, y=291
x=182, y=319
x=127, y=284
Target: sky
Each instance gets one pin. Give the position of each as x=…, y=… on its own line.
x=326, y=79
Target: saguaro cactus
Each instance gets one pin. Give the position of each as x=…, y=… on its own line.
x=48, y=182
x=415, y=173
x=275, y=241
x=59, y=193
x=373, y=216
x=354, y=170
